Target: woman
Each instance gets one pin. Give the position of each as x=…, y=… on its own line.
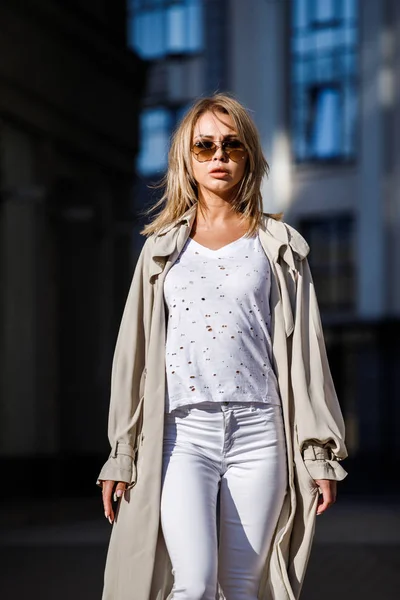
x=221, y=388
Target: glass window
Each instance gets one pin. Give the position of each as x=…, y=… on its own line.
x=155, y=131
x=324, y=69
x=326, y=135
x=157, y=28
x=147, y=29
x=156, y=128
x=323, y=11
x=332, y=260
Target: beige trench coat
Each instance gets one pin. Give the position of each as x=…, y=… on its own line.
x=138, y=566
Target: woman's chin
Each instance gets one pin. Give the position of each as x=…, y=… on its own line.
x=220, y=188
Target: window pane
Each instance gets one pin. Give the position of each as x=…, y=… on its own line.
x=326, y=128
x=176, y=39
x=184, y=27
x=324, y=39
x=194, y=26
x=146, y=34
x=350, y=9
x=155, y=129
x=159, y=27
x=300, y=13
x=324, y=10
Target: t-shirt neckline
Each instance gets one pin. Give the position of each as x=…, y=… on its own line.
x=221, y=250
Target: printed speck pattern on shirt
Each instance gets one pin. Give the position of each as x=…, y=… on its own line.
x=218, y=345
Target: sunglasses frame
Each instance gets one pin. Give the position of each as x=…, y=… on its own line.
x=214, y=149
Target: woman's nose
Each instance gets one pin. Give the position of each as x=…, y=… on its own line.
x=219, y=153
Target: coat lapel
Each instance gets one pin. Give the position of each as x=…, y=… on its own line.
x=170, y=239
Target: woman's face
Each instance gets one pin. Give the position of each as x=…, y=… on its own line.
x=220, y=175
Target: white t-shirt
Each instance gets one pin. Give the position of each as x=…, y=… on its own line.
x=218, y=345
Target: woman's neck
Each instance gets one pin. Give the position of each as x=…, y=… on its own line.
x=216, y=214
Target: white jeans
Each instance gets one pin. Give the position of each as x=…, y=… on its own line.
x=238, y=450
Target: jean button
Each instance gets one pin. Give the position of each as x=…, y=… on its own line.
x=225, y=403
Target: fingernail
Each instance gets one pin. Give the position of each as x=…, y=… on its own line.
x=119, y=493
x=106, y=515
x=109, y=518
x=115, y=497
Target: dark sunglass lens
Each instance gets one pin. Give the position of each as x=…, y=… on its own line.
x=233, y=145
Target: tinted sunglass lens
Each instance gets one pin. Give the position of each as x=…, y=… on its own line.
x=237, y=155
x=206, y=154
x=206, y=151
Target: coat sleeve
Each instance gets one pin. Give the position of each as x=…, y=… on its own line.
x=128, y=369
x=319, y=421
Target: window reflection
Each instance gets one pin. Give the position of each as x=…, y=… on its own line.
x=155, y=128
x=326, y=134
x=324, y=11
x=323, y=74
x=157, y=28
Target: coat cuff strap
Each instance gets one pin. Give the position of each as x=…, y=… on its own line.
x=321, y=463
x=120, y=465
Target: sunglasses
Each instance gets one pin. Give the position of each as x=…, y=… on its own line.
x=204, y=150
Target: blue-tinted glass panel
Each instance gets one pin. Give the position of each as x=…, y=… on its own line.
x=325, y=39
x=176, y=28
x=155, y=131
x=300, y=15
x=324, y=10
x=326, y=134
x=146, y=34
x=157, y=28
x=350, y=10
x=194, y=26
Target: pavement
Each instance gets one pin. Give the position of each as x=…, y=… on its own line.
x=55, y=549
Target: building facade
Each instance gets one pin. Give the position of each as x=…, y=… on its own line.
x=322, y=82
x=69, y=97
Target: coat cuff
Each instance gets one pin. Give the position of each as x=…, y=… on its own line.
x=321, y=463
x=119, y=466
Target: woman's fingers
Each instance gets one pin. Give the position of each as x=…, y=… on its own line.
x=108, y=487
x=119, y=490
x=328, y=494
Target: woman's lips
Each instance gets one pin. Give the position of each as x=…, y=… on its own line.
x=219, y=174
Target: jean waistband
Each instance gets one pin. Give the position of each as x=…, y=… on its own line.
x=222, y=406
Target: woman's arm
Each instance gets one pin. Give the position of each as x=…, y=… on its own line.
x=127, y=383
x=319, y=421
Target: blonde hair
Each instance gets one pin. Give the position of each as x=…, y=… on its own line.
x=180, y=187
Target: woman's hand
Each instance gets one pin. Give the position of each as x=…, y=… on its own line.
x=328, y=494
x=107, y=491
